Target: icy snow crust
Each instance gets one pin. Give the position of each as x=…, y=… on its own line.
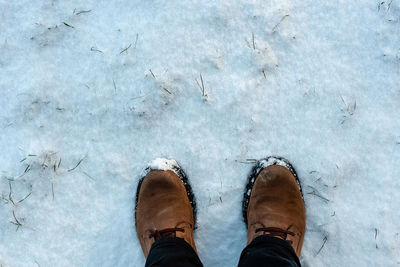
x=93, y=90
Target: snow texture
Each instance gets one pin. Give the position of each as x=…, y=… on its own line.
x=93, y=90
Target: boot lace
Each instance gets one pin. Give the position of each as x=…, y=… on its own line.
x=274, y=231
x=169, y=232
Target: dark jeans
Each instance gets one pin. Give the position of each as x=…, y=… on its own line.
x=262, y=251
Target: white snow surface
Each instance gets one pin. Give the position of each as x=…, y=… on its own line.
x=93, y=90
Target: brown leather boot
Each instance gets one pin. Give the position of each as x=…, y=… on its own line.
x=273, y=203
x=164, y=207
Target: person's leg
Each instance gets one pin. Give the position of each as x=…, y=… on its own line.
x=165, y=217
x=273, y=209
x=174, y=252
x=269, y=251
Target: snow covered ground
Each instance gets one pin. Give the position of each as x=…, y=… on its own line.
x=93, y=90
